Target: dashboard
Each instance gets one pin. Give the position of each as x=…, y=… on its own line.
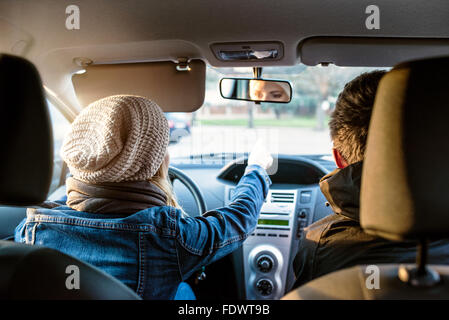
x=263, y=266
x=288, y=170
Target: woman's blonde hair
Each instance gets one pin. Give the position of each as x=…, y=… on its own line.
x=161, y=180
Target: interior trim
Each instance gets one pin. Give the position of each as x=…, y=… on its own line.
x=369, y=51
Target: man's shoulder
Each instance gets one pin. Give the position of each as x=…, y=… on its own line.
x=338, y=232
x=307, y=263
x=315, y=237
x=332, y=219
x=335, y=237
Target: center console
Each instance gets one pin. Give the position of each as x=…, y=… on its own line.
x=269, y=250
x=293, y=202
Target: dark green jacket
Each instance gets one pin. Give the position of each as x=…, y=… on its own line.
x=337, y=241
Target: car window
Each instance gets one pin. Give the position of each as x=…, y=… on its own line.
x=60, y=126
x=222, y=128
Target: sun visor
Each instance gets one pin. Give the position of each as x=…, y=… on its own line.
x=173, y=87
x=369, y=52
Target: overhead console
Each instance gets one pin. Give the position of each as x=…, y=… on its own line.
x=369, y=51
x=248, y=51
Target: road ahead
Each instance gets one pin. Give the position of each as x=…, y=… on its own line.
x=217, y=139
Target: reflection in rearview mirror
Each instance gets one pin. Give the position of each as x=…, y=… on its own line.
x=256, y=90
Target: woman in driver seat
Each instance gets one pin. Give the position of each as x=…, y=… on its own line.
x=120, y=213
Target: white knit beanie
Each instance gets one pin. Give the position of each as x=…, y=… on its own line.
x=118, y=138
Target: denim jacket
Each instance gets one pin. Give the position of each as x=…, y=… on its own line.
x=153, y=250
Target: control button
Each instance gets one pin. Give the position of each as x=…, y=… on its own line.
x=264, y=286
x=265, y=263
x=301, y=225
x=303, y=213
x=283, y=235
x=299, y=228
x=305, y=196
x=272, y=235
x=261, y=234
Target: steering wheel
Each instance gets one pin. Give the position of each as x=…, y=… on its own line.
x=176, y=174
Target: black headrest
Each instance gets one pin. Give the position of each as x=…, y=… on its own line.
x=26, y=144
x=404, y=193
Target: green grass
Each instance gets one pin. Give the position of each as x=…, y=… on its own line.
x=302, y=122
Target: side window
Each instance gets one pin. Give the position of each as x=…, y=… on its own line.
x=60, y=127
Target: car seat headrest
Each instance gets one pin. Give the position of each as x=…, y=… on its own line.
x=405, y=177
x=26, y=142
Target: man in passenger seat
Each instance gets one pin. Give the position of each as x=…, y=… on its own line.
x=337, y=241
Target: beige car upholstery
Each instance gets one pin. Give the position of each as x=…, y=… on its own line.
x=161, y=82
x=350, y=284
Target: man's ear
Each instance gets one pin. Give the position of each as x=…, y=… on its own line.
x=339, y=160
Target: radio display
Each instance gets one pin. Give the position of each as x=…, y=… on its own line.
x=273, y=222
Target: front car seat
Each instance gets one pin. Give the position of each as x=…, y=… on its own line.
x=404, y=186
x=34, y=272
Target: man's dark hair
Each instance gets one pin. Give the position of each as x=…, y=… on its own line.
x=350, y=120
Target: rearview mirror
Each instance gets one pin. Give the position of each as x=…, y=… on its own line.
x=257, y=90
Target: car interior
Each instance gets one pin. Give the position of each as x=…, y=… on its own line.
x=57, y=57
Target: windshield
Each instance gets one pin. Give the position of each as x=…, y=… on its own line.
x=230, y=128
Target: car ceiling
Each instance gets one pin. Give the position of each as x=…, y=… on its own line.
x=113, y=31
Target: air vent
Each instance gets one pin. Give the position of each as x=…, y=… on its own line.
x=282, y=197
